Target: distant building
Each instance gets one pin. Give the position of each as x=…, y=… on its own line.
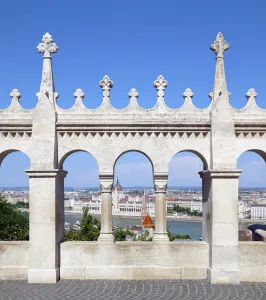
x=258, y=211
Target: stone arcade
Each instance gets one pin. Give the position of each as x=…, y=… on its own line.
x=218, y=134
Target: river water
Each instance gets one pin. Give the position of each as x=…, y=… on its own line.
x=193, y=229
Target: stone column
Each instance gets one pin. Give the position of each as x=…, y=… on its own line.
x=206, y=214
x=45, y=225
x=222, y=220
x=160, y=186
x=61, y=205
x=106, y=184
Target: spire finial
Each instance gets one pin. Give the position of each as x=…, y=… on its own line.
x=160, y=84
x=47, y=46
x=133, y=93
x=106, y=84
x=251, y=94
x=15, y=95
x=219, y=45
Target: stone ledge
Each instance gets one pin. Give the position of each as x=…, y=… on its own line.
x=133, y=273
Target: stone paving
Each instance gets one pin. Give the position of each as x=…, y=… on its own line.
x=118, y=289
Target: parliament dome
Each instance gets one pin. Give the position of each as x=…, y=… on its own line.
x=118, y=187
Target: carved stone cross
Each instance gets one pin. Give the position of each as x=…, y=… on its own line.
x=219, y=45
x=47, y=46
x=79, y=94
x=106, y=84
x=251, y=93
x=133, y=94
x=188, y=94
x=160, y=84
x=15, y=95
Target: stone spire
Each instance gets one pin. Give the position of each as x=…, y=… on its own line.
x=222, y=115
x=47, y=47
x=218, y=47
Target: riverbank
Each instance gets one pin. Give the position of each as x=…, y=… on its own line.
x=170, y=218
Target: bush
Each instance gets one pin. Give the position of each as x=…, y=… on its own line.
x=121, y=234
x=89, y=228
x=173, y=237
x=14, y=226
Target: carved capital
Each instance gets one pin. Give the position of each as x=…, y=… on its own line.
x=219, y=45
x=47, y=46
x=160, y=84
x=106, y=182
x=160, y=189
x=160, y=183
x=106, y=188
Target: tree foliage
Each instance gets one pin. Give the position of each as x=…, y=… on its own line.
x=88, y=229
x=14, y=226
x=121, y=234
x=173, y=237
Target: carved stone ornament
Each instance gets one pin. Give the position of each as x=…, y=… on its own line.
x=219, y=45
x=188, y=94
x=47, y=46
x=133, y=94
x=79, y=94
x=106, y=84
x=251, y=94
x=210, y=95
x=160, y=189
x=106, y=188
x=15, y=95
x=160, y=84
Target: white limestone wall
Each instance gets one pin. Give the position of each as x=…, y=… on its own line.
x=134, y=260
x=14, y=260
x=252, y=261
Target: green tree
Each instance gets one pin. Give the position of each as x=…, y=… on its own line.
x=14, y=226
x=89, y=228
x=121, y=234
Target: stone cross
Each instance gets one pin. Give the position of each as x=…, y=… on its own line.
x=160, y=84
x=15, y=95
x=219, y=45
x=47, y=46
x=133, y=94
x=188, y=94
x=251, y=94
x=106, y=84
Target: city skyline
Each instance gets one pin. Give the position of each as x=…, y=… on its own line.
x=83, y=170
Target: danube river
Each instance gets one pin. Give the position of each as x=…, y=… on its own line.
x=193, y=229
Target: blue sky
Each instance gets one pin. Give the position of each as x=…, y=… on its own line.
x=133, y=42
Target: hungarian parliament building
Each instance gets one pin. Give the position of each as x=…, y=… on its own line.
x=123, y=204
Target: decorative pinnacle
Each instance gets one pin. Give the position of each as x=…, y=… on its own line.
x=219, y=45
x=251, y=93
x=133, y=93
x=160, y=84
x=106, y=84
x=47, y=46
x=15, y=94
x=79, y=94
x=188, y=93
